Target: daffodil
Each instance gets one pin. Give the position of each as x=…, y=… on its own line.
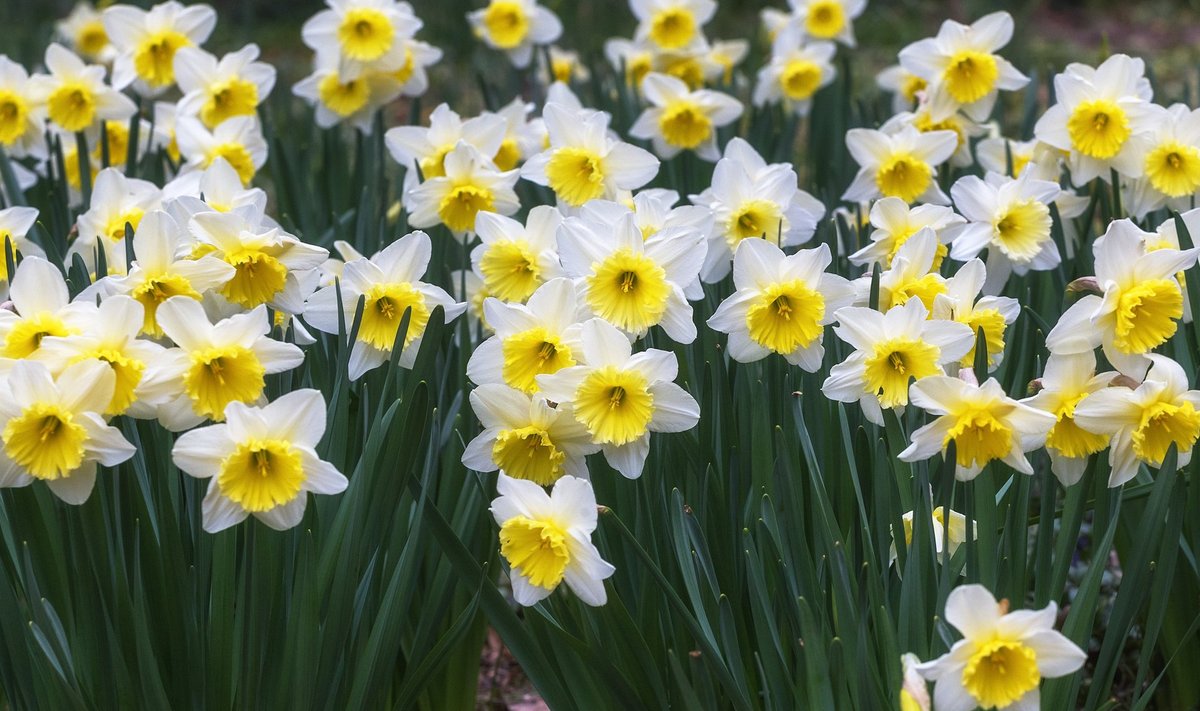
x=261, y=461
x=1144, y=422
x=532, y=339
x=891, y=349
x=215, y=90
x=83, y=31
x=913, y=273
x=561, y=65
x=1067, y=382
x=427, y=147
x=782, y=304
x=895, y=222
x=215, y=364
x=515, y=259
x=362, y=36
x=631, y=282
x=41, y=307
x=993, y=314
x=672, y=24
x=525, y=438
x=471, y=185
x=679, y=119
x=914, y=693
x=621, y=397
x=21, y=112
x=751, y=199
x=147, y=42
x=117, y=201
x=15, y=223
x=338, y=99
x=515, y=27
x=796, y=72
x=521, y=140
x=159, y=272
x=902, y=164
x=953, y=533
x=635, y=59
x=961, y=68
x=262, y=257
x=1172, y=162
x=217, y=188
x=75, y=94
x=1100, y=119
x=583, y=162
x=982, y=421
x=390, y=285
x=1008, y=217
x=1140, y=306
x=1003, y=656
x=655, y=210
x=723, y=57
x=52, y=429
x=923, y=119
x=239, y=140
x=905, y=87
x=827, y=19
x=546, y=539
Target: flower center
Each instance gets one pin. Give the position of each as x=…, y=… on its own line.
x=155, y=290
x=1001, y=672
x=226, y=99
x=91, y=39
x=46, y=441
x=992, y=323
x=684, y=124
x=904, y=176
x=755, y=218
x=14, y=113
x=925, y=288
x=261, y=474
x=531, y=353
x=343, y=99
x=825, y=19
x=220, y=375
x=576, y=175
x=26, y=337
x=800, y=79
x=115, y=229
x=979, y=436
x=615, y=405
x=128, y=372
x=971, y=75
x=672, y=28
x=787, y=316
x=460, y=206
x=1163, y=424
x=1146, y=315
x=893, y=364
x=506, y=23
x=154, y=58
x=628, y=290
x=508, y=155
x=72, y=106
x=912, y=85
x=528, y=453
x=365, y=34
x=1098, y=128
x=384, y=308
x=1069, y=439
x=510, y=270
x=1174, y=169
x=1021, y=232
x=238, y=157
x=257, y=277
x=537, y=549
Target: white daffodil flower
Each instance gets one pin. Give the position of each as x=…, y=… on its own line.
x=147, y=42
x=41, y=307
x=672, y=24
x=75, y=94
x=960, y=302
x=239, y=140
x=360, y=37
x=427, y=147
x=116, y=202
x=827, y=19
x=902, y=164
x=796, y=71
x=15, y=223
x=679, y=119
x=516, y=27
x=215, y=90
x=471, y=185
x=1067, y=382
x=22, y=113
x=515, y=259
x=83, y=30
x=895, y=222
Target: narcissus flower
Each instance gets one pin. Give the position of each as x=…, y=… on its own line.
x=795, y=73
x=83, y=31
x=1101, y=117
x=782, y=304
x=583, y=162
x=894, y=222
x=1002, y=657
x=117, y=201
x=900, y=165
x=216, y=364
x=1144, y=421
x=261, y=461
x=751, y=199
x=215, y=90
x=961, y=68
x=913, y=273
x=904, y=86
x=41, y=307
x=621, y=397
x=546, y=539
x=525, y=438
x=15, y=223
x=362, y=36
x=21, y=112
x=532, y=339
x=1172, y=162
x=1008, y=217
x=631, y=282
x=390, y=285
x=426, y=147
x=1141, y=305
x=239, y=140
x=52, y=429
x=952, y=534
x=1067, y=383
x=75, y=94
x=471, y=185
x=679, y=119
x=147, y=42
x=516, y=27
x=891, y=349
x=827, y=19
x=672, y=24
x=515, y=259
x=960, y=302
x=984, y=423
